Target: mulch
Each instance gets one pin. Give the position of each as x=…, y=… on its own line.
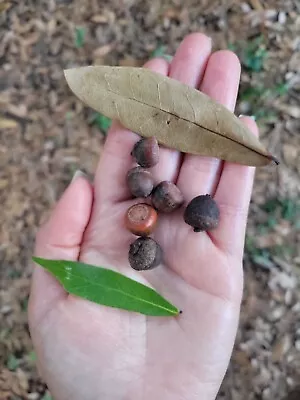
x=46, y=134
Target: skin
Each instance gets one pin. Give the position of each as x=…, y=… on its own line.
x=87, y=351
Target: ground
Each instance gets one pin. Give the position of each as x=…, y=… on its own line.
x=46, y=134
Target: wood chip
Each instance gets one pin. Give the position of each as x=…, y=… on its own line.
x=99, y=19
x=281, y=347
x=31, y=72
x=103, y=50
x=8, y=123
x=290, y=154
x=256, y=4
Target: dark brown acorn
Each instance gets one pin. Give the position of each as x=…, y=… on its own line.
x=146, y=152
x=140, y=182
x=202, y=213
x=144, y=254
x=166, y=197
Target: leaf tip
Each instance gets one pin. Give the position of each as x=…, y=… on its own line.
x=275, y=160
x=177, y=312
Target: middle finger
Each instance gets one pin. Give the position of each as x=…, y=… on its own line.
x=187, y=66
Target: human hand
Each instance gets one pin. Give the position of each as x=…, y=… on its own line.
x=86, y=351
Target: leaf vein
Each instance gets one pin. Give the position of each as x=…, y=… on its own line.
x=194, y=123
x=122, y=292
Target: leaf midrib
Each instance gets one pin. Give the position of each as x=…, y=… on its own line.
x=194, y=123
x=120, y=291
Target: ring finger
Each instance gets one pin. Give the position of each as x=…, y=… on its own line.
x=200, y=175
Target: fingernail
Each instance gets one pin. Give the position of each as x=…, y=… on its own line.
x=78, y=174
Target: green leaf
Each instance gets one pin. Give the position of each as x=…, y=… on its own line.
x=101, y=121
x=107, y=287
x=272, y=221
x=4, y=334
x=290, y=210
x=281, y=89
x=79, y=37
x=32, y=356
x=252, y=53
x=160, y=51
x=251, y=93
x=12, y=362
x=232, y=46
x=69, y=115
x=24, y=304
x=262, y=261
x=47, y=396
x=254, y=60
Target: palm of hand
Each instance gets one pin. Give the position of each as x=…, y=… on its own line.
x=87, y=351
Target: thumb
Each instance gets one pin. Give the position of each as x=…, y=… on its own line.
x=60, y=238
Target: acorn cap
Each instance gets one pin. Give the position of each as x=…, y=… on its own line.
x=141, y=219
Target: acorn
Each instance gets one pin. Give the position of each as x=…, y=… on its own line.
x=146, y=152
x=141, y=219
x=144, y=254
x=166, y=197
x=140, y=182
x=202, y=213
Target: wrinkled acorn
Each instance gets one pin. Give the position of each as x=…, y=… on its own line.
x=166, y=197
x=202, y=213
x=144, y=254
x=140, y=182
x=146, y=152
x=141, y=219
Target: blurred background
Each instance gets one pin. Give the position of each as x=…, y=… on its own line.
x=46, y=134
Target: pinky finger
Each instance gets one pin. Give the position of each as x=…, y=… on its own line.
x=233, y=196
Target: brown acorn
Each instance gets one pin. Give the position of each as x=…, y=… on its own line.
x=166, y=197
x=202, y=213
x=140, y=182
x=144, y=254
x=146, y=152
x=141, y=219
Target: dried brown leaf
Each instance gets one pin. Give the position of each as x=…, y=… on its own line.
x=5, y=6
x=290, y=154
x=256, y=4
x=102, y=50
x=179, y=116
x=281, y=347
x=6, y=123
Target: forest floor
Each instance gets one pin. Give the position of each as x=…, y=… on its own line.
x=46, y=134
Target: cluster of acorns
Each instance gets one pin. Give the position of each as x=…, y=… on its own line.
x=201, y=213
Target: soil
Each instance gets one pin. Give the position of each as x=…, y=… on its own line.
x=46, y=134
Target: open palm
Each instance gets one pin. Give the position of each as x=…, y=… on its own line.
x=86, y=351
